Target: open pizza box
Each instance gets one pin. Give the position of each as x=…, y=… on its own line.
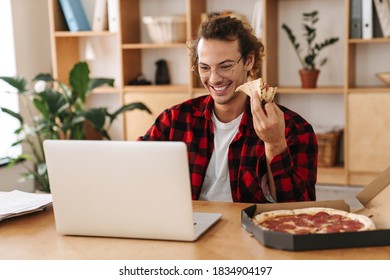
x=375, y=199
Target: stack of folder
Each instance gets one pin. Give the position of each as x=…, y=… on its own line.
x=105, y=15
x=74, y=15
x=369, y=19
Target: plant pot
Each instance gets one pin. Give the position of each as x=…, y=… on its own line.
x=309, y=78
x=91, y=133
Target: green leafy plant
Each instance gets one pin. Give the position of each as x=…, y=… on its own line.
x=308, y=60
x=58, y=111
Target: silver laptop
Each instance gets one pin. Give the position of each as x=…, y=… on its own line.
x=123, y=189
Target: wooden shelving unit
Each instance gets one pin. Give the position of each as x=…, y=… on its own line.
x=319, y=90
x=365, y=107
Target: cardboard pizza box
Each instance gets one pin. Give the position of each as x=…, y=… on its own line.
x=375, y=200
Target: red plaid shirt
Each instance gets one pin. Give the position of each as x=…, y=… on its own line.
x=294, y=171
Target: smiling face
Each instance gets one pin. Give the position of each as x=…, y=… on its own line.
x=218, y=54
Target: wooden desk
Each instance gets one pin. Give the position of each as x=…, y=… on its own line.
x=34, y=237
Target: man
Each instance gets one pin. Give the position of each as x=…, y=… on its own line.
x=238, y=149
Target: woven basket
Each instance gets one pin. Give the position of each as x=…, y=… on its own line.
x=166, y=29
x=328, y=148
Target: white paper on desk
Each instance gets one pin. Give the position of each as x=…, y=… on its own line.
x=18, y=202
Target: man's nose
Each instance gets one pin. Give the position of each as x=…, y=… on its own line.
x=214, y=76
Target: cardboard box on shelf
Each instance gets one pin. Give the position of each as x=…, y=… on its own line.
x=374, y=198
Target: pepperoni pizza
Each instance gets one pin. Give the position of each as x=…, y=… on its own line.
x=312, y=220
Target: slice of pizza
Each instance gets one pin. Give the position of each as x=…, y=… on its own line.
x=265, y=92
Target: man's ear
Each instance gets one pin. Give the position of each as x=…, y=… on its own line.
x=249, y=61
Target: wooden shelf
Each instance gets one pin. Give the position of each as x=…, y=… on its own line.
x=332, y=175
x=157, y=89
x=153, y=46
x=369, y=90
x=369, y=41
x=199, y=90
x=105, y=90
x=299, y=90
x=332, y=170
x=84, y=33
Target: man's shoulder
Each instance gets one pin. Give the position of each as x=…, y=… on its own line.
x=197, y=104
x=295, y=119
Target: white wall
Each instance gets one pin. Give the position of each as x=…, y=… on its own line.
x=318, y=109
x=32, y=39
x=32, y=56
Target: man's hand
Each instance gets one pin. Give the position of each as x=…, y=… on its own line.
x=269, y=125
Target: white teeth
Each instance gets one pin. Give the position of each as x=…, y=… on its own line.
x=220, y=88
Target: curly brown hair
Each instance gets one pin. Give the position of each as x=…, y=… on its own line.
x=228, y=28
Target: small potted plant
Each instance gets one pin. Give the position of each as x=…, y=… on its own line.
x=58, y=111
x=310, y=69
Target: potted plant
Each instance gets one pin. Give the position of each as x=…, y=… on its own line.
x=310, y=69
x=58, y=111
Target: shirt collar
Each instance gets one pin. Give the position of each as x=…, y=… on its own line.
x=206, y=109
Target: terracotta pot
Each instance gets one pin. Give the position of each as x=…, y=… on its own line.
x=309, y=78
x=91, y=133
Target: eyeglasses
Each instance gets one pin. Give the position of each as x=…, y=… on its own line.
x=224, y=70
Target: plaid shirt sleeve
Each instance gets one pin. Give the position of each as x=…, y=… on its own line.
x=295, y=170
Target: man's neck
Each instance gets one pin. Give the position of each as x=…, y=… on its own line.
x=228, y=112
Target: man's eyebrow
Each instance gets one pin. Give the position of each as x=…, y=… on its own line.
x=222, y=62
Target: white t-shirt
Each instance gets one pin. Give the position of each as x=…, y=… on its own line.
x=216, y=185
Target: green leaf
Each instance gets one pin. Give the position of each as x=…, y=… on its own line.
x=56, y=102
x=27, y=176
x=105, y=134
x=77, y=132
x=18, y=130
x=128, y=107
x=79, y=80
x=40, y=106
x=66, y=91
x=20, y=158
x=43, y=77
x=290, y=35
x=311, y=14
x=309, y=60
x=323, y=61
x=17, y=143
x=16, y=82
x=97, y=117
x=77, y=119
x=13, y=114
x=98, y=82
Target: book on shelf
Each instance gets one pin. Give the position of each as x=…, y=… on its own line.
x=99, y=21
x=113, y=15
x=257, y=18
x=377, y=29
x=367, y=22
x=355, y=30
x=74, y=15
x=382, y=8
